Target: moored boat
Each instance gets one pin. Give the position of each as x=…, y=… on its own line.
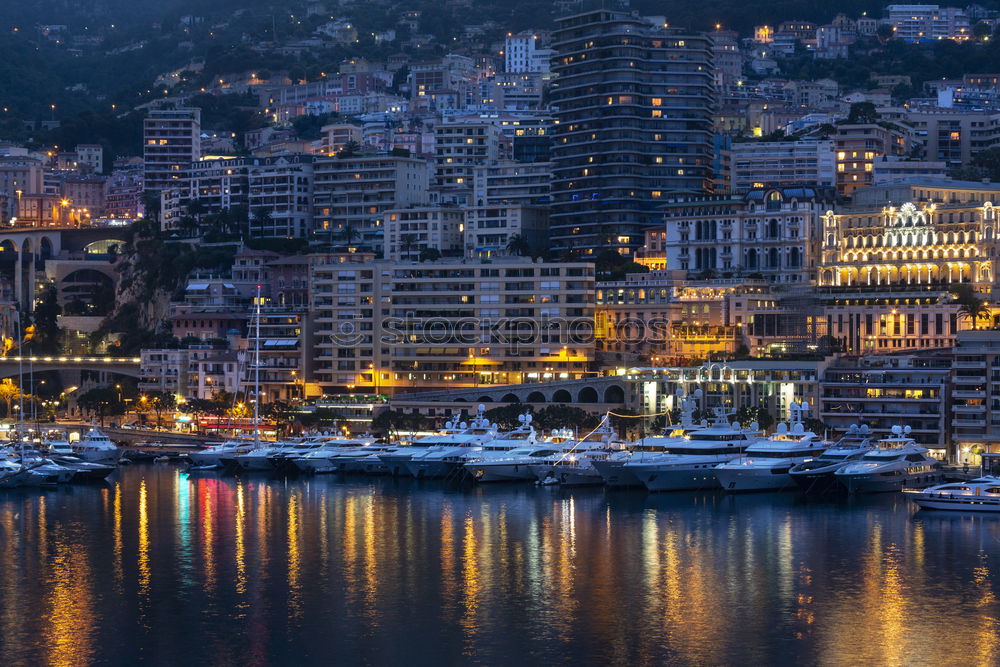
x=894, y=463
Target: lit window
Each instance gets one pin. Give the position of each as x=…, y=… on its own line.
x=657, y=101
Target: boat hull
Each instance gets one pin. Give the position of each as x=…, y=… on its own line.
x=955, y=503
x=434, y=469
x=500, y=472
x=616, y=475
x=108, y=457
x=254, y=463
x=879, y=482
x=680, y=478
x=396, y=464
x=745, y=478
x=818, y=481
x=314, y=465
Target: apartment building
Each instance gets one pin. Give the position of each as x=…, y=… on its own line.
x=923, y=23
x=858, y=146
x=755, y=164
x=953, y=136
x=171, y=142
x=634, y=102
x=975, y=394
x=521, y=53
x=352, y=193
x=280, y=196
x=509, y=182
x=462, y=143
x=409, y=232
x=385, y=326
x=489, y=230
x=883, y=391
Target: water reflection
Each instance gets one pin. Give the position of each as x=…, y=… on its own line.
x=224, y=569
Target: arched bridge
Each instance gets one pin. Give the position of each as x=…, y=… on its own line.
x=11, y=366
x=595, y=394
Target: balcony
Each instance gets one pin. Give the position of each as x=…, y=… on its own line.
x=969, y=364
x=968, y=409
x=965, y=421
x=966, y=393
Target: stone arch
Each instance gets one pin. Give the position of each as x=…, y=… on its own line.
x=614, y=394
x=45, y=248
x=510, y=398
x=562, y=396
x=484, y=399
x=588, y=395
x=536, y=397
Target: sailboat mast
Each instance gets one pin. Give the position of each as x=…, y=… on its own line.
x=256, y=374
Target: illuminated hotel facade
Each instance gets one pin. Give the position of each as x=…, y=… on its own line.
x=890, y=262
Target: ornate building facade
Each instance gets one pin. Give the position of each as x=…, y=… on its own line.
x=890, y=264
x=768, y=233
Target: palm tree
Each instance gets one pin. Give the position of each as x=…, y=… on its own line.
x=518, y=245
x=971, y=305
x=349, y=232
x=262, y=220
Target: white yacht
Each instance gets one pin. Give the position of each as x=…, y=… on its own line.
x=96, y=447
x=816, y=476
x=613, y=469
x=215, y=456
x=892, y=464
x=365, y=459
x=444, y=458
x=521, y=441
x=977, y=495
x=689, y=464
x=57, y=444
x=765, y=464
x=395, y=459
x=259, y=459
x=329, y=454
x=516, y=464
x=575, y=465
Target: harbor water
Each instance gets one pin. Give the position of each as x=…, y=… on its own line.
x=163, y=567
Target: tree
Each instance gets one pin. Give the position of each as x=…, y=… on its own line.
x=47, y=332
x=565, y=416
x=885, y=32
x=158, y=402
x=518, y=245
x=350, y=149
x=9, y=392
x=970, y=305
x=862, y=113
x=754, y=413
x=429, y=255
x=104, y=400
x=262, y=220
x=981, y=30
x=506, y=417
x=388, y=421
x=350, y=232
